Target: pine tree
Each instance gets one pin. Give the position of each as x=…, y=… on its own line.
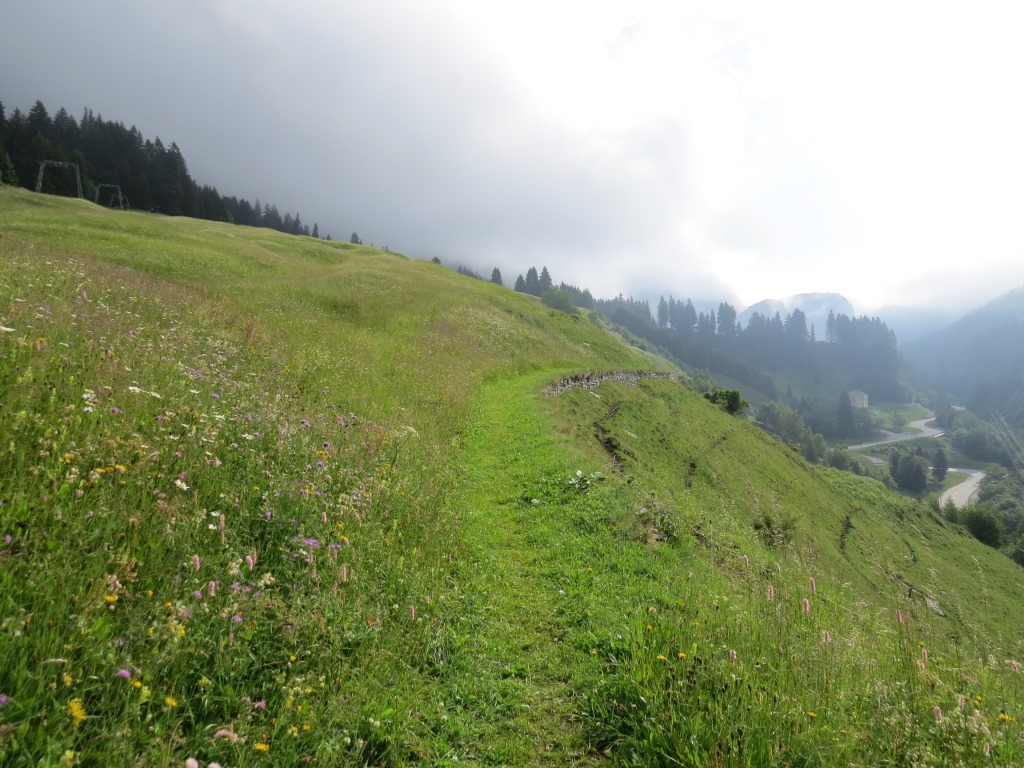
x=3, y=130
x=663, y=312
x=316, y=230
x=532, y=282
x=496, y=276
x=940, y=466
x=726, y=319
x=355, y=239
x=520, y=286
x=544, y=282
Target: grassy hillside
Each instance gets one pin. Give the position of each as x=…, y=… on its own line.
x=268, y=500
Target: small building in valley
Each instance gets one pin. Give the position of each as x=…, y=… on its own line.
x=858, y=399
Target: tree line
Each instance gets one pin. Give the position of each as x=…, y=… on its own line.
x=152, y=176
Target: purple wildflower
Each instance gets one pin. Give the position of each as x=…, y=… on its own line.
x=237, y=618
x=126, y=674
x=305, y=423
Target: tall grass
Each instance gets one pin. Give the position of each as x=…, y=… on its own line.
x=268, y=501
x=201, y=554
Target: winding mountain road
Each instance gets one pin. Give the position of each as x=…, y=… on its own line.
x=894, y=437
x=962, y=493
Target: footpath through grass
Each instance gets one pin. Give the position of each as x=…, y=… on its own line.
x=510, y=695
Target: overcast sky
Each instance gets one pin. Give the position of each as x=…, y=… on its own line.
x=716, y=150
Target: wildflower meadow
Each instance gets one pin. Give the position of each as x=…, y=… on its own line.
x=271, y=501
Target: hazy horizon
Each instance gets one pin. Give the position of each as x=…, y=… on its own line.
x=716, y=152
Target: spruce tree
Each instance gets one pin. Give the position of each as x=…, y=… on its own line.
x=496, y=276
x=544, y=282
x=520, y=286
x=532, y=282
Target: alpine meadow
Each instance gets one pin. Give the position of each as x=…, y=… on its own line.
x=272, y=500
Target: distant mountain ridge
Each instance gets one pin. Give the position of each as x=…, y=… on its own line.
x=969, y=354
x=815, y=307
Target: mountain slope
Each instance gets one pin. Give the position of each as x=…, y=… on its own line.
x=292, y=502
x=985, y=343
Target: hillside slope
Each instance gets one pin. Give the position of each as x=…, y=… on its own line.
x=268, y=500
x=981, y=347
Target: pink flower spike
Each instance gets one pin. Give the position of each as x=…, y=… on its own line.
x=211, y=589
x=962, y=701
x=250, y=562
x=226, y=733
x=814, y=587
x=771, y=593
x=826, y=636
x=216, y=462
x=412, y=613
x=899, y=616
x=807, y=605
x=938, y=714
x=195, y=562
x=732, y=656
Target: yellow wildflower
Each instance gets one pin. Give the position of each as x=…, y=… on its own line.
x=812, y=714
x=170, y=702
x=659, y=657
x=67, y=679
x=262, y=746
x=110, y=599
x=76, y=711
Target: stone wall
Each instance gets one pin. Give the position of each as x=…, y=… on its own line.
x=592, y=380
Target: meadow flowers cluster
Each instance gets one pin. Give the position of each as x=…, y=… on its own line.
x=787, y=670
x=179, y=530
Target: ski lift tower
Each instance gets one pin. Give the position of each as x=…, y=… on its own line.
x=43, y=164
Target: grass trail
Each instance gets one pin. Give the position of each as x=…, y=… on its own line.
x=511, y=676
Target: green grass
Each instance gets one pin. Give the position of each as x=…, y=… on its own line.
x=274, y=501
